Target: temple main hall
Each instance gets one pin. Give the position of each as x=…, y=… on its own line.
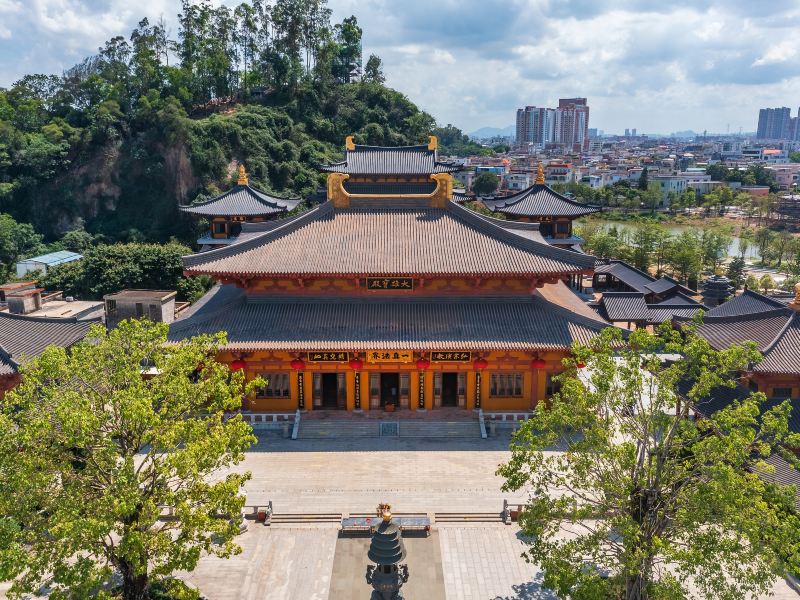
x=389, y=294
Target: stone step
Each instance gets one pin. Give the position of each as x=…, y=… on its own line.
x=468, y=517
x=440, y=429
x=389, y=429
x=306, y=518
x=338, y=429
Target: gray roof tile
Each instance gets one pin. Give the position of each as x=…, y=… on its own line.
x=747, y=303
x=395, y=160
x=539, y=200
x=302, y=323
x=242, y=200
x=369, y=240
x=24, y=337
x=625, y=306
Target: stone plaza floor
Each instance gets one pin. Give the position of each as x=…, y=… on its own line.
x=459, y=561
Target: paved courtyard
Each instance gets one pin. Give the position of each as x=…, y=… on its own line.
x=460, y=561
x=352, y=476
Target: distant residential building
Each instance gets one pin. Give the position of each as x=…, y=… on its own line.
x=774, y=123
x=627, y=132
x=633, y=132
x=567, y=125
x=45, y=261
x=592, y=132
x=518, y=181
x=669, y=184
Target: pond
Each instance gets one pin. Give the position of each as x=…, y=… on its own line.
x=628, y=228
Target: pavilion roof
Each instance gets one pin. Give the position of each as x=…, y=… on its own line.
x=412, y=323
x=381, y=237
x=539, y=200
x=394, y=160
x=242, y=200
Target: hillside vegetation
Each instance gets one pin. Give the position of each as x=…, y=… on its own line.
x=114, y=144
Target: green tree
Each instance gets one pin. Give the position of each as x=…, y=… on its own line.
x=17, y=240
x=642, y=184
x=751, y=283
x=644, y=244
x=373, y=70
x=97, y=451
x=649, y=493
x=766, y=283
x=485, y=184
x=106, y=269
x=684, y=256
x=735, y=271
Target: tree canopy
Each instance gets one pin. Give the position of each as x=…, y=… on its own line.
x=92, y=451
x=624, y=481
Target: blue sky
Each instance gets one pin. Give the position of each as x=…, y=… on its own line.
x=657, y=66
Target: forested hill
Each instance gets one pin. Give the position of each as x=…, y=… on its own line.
x=115, y=143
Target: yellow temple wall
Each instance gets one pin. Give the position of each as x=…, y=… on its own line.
x=534, y=381
x=422, y=287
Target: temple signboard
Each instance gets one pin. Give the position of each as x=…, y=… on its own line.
x=333, y=356
x=390, y=356
x=451, y=356
x=390, y=283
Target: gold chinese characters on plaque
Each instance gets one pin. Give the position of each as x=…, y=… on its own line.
x=451, y=356
x=391, y=356
x=334, y=356
x=390, y=283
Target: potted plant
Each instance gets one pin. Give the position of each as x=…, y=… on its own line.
x=389, y=408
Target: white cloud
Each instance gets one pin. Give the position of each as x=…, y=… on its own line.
x=655, y=66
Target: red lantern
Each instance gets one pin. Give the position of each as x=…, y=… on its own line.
x=538, y=363
x=480, y=363
x=356, y=364
x=238, y=365
x=423, y=363
x=298, y=364
x=581, y=365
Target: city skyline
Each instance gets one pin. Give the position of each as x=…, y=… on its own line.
x=487, y=62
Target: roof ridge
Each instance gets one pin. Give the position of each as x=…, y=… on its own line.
x=783, y=330
x=191, y=260
x=421, y=147
x=480, y=222
x=259, y=194
x=34, y=319
x=776, y=312
x=583, y=320
x=519, y=196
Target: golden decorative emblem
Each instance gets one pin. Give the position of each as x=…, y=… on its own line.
x=242, y=176
x=540, y=175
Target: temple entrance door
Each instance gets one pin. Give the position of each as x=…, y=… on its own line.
x=330, y=390
x=390, y=389
x=449, y=389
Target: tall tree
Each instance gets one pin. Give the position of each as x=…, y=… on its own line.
x=646, y=493
x=99, y=450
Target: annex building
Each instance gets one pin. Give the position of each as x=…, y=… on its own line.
x=390, y=293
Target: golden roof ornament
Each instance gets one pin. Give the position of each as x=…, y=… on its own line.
x=539, y=175
x=349, y=144
x=242, y=176
x=385, y=512
x=796, y=300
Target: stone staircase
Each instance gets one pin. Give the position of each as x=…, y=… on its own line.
x=440, y=429
x=300, y=518
x=474, y=517
x=388, y=429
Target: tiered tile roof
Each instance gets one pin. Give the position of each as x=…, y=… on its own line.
x=396, y=160
x=418, y=323
x=378, y=237
x=537, y=201
x=242, y=200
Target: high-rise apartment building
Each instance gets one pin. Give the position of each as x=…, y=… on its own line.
x=774, y=123
x=567, y=125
